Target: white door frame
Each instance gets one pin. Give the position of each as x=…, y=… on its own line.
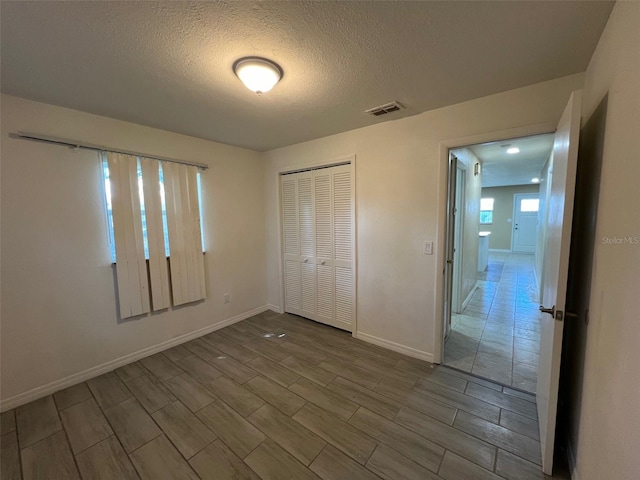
x=350, y=159
x=515, y=211
x=458, y=238
x=441, y=229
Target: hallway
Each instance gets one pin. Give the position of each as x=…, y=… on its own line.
x=497, y=335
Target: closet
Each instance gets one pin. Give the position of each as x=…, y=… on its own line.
x=318, y=234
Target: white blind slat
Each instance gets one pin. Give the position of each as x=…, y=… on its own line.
x=158, y=271
x=186, y=259
x=131, y=267
x=196, y=237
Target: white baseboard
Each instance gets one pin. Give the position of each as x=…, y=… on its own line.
x=500, y=250
x=69, y=381
x=396, y=347
x=571, y=458
x=468, y=299
x=275, y=308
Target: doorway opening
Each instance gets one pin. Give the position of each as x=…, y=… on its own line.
x=494, y=259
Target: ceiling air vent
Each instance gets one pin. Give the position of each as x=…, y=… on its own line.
x=384, y=109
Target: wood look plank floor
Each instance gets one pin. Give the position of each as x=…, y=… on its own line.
x=276, y=397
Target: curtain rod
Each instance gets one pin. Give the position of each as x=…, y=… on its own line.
x=99, y=148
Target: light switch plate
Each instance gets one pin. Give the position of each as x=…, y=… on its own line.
x=428, y=248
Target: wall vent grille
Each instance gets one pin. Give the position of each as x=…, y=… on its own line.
x=384, y=109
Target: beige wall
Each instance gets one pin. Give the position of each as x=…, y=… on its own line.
x=501, y=228
x=58, y=301
x=400, y=202
x=607, y=439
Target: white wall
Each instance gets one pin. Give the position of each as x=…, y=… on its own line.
x=400, y=202
x=608, y=440
x=471, y=219
x=58, y=300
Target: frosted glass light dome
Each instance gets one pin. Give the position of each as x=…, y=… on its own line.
x=258, y=74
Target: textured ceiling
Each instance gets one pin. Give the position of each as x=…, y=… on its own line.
x=500, y=168
x=168, y=64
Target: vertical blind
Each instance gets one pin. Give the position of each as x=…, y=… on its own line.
x=185, y=238
x=162, y=282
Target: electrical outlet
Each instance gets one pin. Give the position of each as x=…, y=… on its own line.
x=227, y=298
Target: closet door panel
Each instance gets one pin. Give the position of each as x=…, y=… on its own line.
x=344, y=303
x=308, y=284
x=324, y=245
x=324, y=227
x=291, y=246
x=326, y=298
x=292, y=290
x=306, y=216
x=342, y=214
x=343, y=228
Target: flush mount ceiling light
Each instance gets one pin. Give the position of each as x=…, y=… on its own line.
x=258, y=74
x=513, y=150
x=535, y=180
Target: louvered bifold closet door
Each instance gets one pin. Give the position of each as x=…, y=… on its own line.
x=299, y=243
x=158, y=271
x=186, y=260
x=291, y=247
x=318, y=235
x=306, y=224
x=343, y=238
x=131, y=266
x=324, y=269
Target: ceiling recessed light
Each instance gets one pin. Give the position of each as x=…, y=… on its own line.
x=513, y=150
x=535, y=180
x=258, y=74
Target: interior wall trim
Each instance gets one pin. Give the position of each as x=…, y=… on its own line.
x=275, y=308
x=79, y=377
x=396, y=347
x=469, y=297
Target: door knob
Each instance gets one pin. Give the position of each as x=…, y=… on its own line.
x=551, y=311
x=305, y=260
x=322, y=262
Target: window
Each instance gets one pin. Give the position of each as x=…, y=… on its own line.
x=529, y=204
x=486, y=211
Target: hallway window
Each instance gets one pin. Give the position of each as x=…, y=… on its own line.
x=486, y=211
x=530, y=205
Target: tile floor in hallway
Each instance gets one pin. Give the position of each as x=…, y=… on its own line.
x=276, y=397
x=497, y=335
